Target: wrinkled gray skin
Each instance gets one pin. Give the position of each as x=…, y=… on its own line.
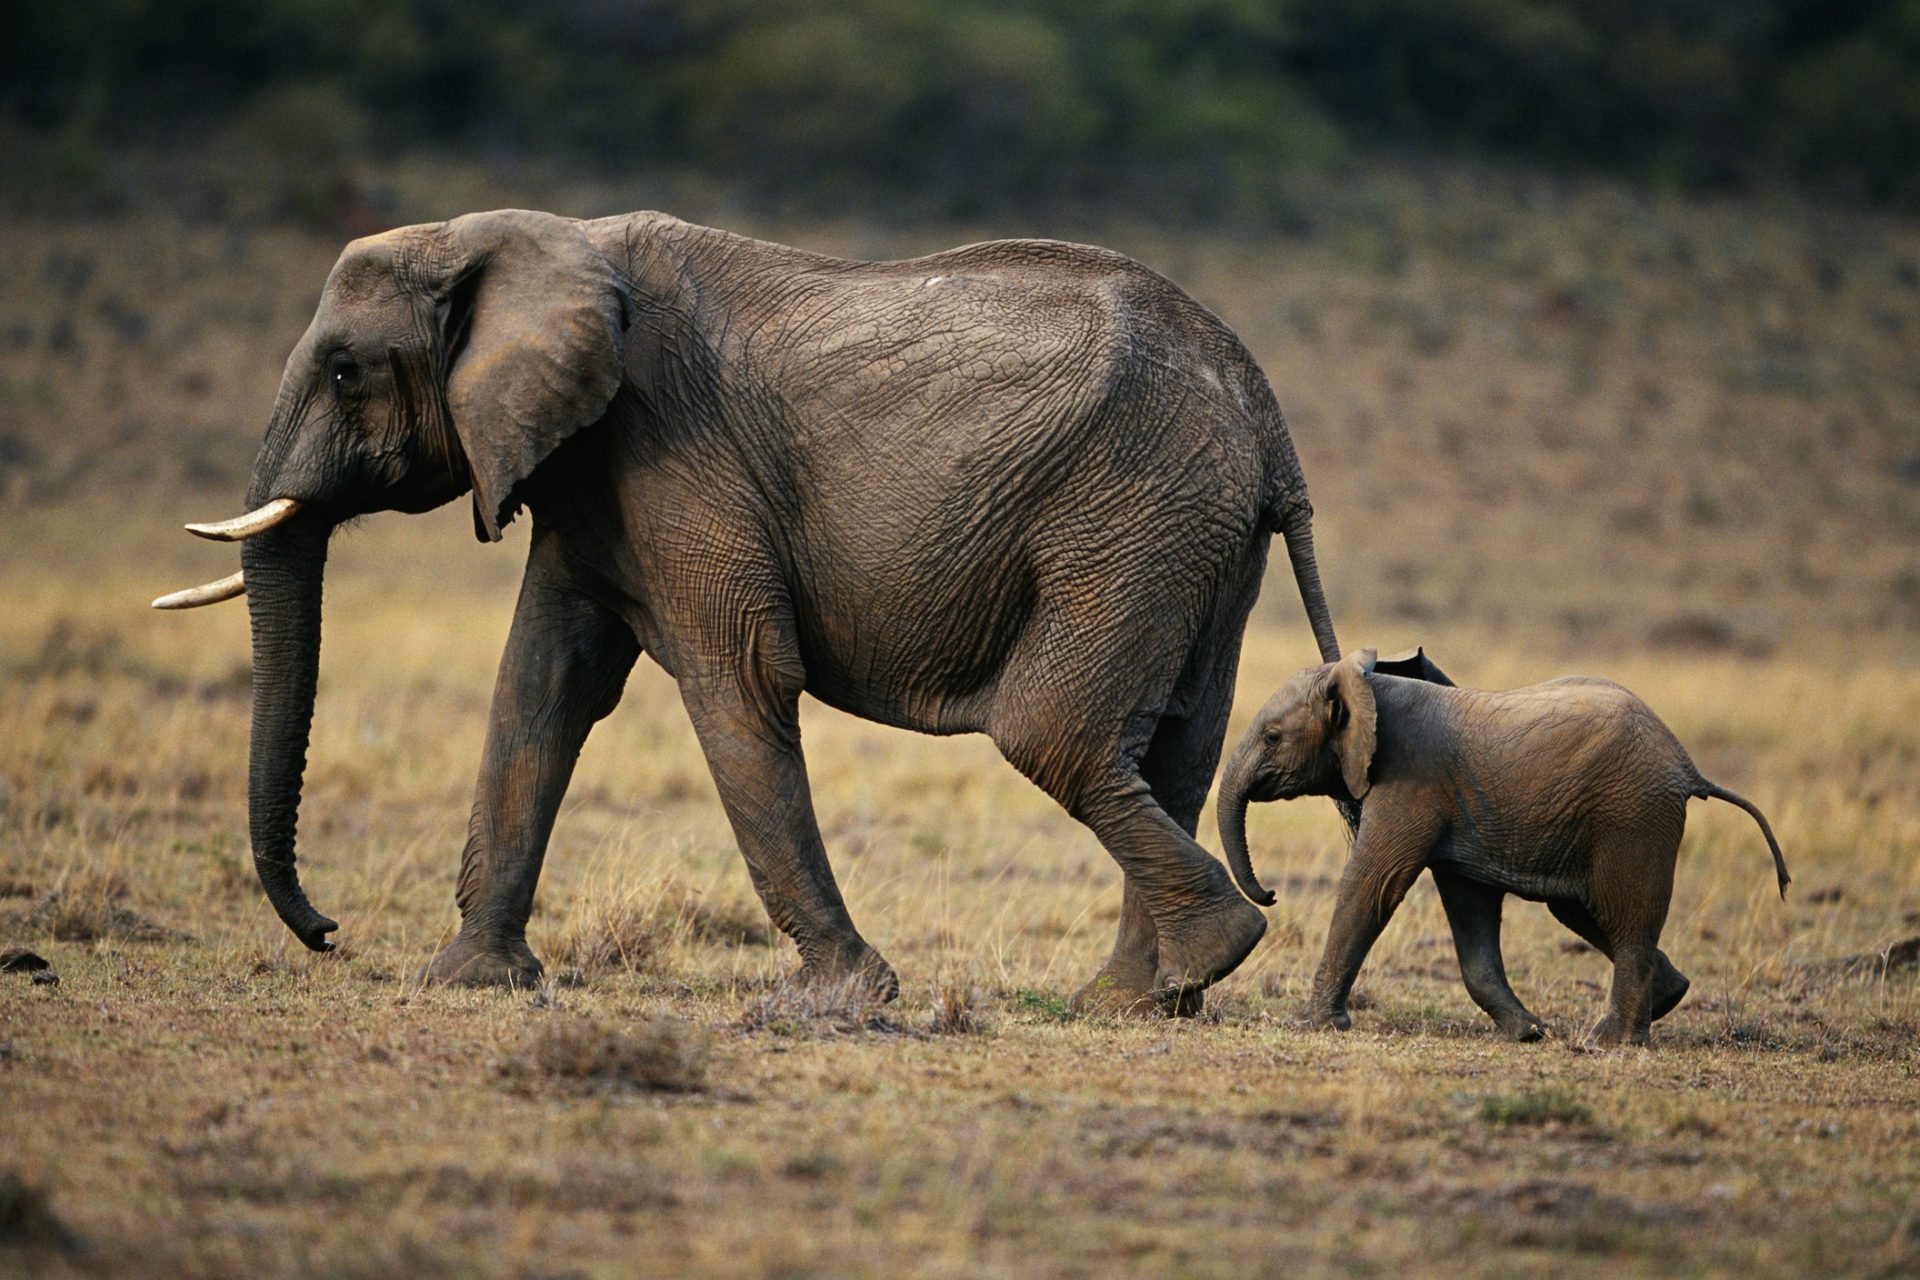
x=1022, y=488
x=1571, y=793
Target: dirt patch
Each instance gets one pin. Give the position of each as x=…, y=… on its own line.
x=1140, y=1132
x=578, y=1186
x=1706, y=633
x=86, y=915
x=1548, y=1213
x=1893, y=958
x=815, y=1011
x=660, y=1055
x=1552, y=1107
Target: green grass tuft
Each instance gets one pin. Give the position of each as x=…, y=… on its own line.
x=1555, y=1104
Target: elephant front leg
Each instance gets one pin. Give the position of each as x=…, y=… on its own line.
x=1473, y=913
x=1388, y=855
x=750, y=733
x=566, y=662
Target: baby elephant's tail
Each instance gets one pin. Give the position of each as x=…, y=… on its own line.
x=1707, y=789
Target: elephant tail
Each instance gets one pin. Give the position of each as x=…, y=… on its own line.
x=1705, y=790
x=1295, y=524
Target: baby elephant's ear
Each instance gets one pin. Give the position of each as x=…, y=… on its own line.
x=1354, y=720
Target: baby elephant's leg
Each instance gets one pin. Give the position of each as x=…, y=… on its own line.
x=1632, y=922
x=1670, y=986
x=1473, y=912
x=1389, y=851
x=1629, y=1018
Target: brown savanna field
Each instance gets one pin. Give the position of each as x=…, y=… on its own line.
x=1549, y=428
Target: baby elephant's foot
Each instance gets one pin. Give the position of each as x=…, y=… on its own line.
x=1670, y=987
x=1610, y=1033
x=1323, y=1018
x=466, y=962
x=1198, y=950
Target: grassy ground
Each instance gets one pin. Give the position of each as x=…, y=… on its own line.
x=1668, y=445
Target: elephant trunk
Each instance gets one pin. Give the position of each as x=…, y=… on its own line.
x=1298, y=531
x=284, y=567
x=1232, y=813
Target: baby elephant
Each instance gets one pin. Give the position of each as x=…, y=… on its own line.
x=1570, y=792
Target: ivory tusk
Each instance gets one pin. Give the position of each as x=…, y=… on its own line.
x=211, y=593
x=256, y=521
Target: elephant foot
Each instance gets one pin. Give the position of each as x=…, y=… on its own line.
x=1322, y=1018
x=1610, y=1033
x=467, y=963
x=854, y=968
x=1198, y=950
x=1670, y=987
x=1109, y=996
x=1521, y=1027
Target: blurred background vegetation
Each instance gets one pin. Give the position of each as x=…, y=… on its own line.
x=1190, y=108
x=1594, y=320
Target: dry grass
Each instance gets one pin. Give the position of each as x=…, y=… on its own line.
x=1602, y=434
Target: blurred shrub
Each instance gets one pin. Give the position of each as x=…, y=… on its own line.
x=992, y=102
x=1851, y=111
x=300, y=140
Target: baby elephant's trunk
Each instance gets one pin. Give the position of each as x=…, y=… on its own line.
x=1708, y=789
x=1232, y=813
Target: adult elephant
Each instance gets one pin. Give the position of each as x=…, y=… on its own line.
x=1022, y=488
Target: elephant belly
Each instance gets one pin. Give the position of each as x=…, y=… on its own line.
x=1536, y=870
x=924, y=654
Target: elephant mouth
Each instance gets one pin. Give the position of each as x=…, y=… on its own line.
x=1270, y=787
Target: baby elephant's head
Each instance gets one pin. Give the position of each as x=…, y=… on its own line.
x=1313, y=738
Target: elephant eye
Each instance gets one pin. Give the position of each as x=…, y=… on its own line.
x=344, y=370
x=1272, y=736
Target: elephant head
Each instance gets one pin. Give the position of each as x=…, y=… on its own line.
x=443, y=359
x=1315, y=737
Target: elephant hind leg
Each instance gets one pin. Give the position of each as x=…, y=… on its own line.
x=1124, y=984
x=1202, y=927
x=1629, y=1015
x=1670, y=986
x=1178, y=769
x=1127, y=744
x=1632, y=886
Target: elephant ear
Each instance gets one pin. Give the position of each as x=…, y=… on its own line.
x=1413, y=665
x=1350, y=707
x=532, y=317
